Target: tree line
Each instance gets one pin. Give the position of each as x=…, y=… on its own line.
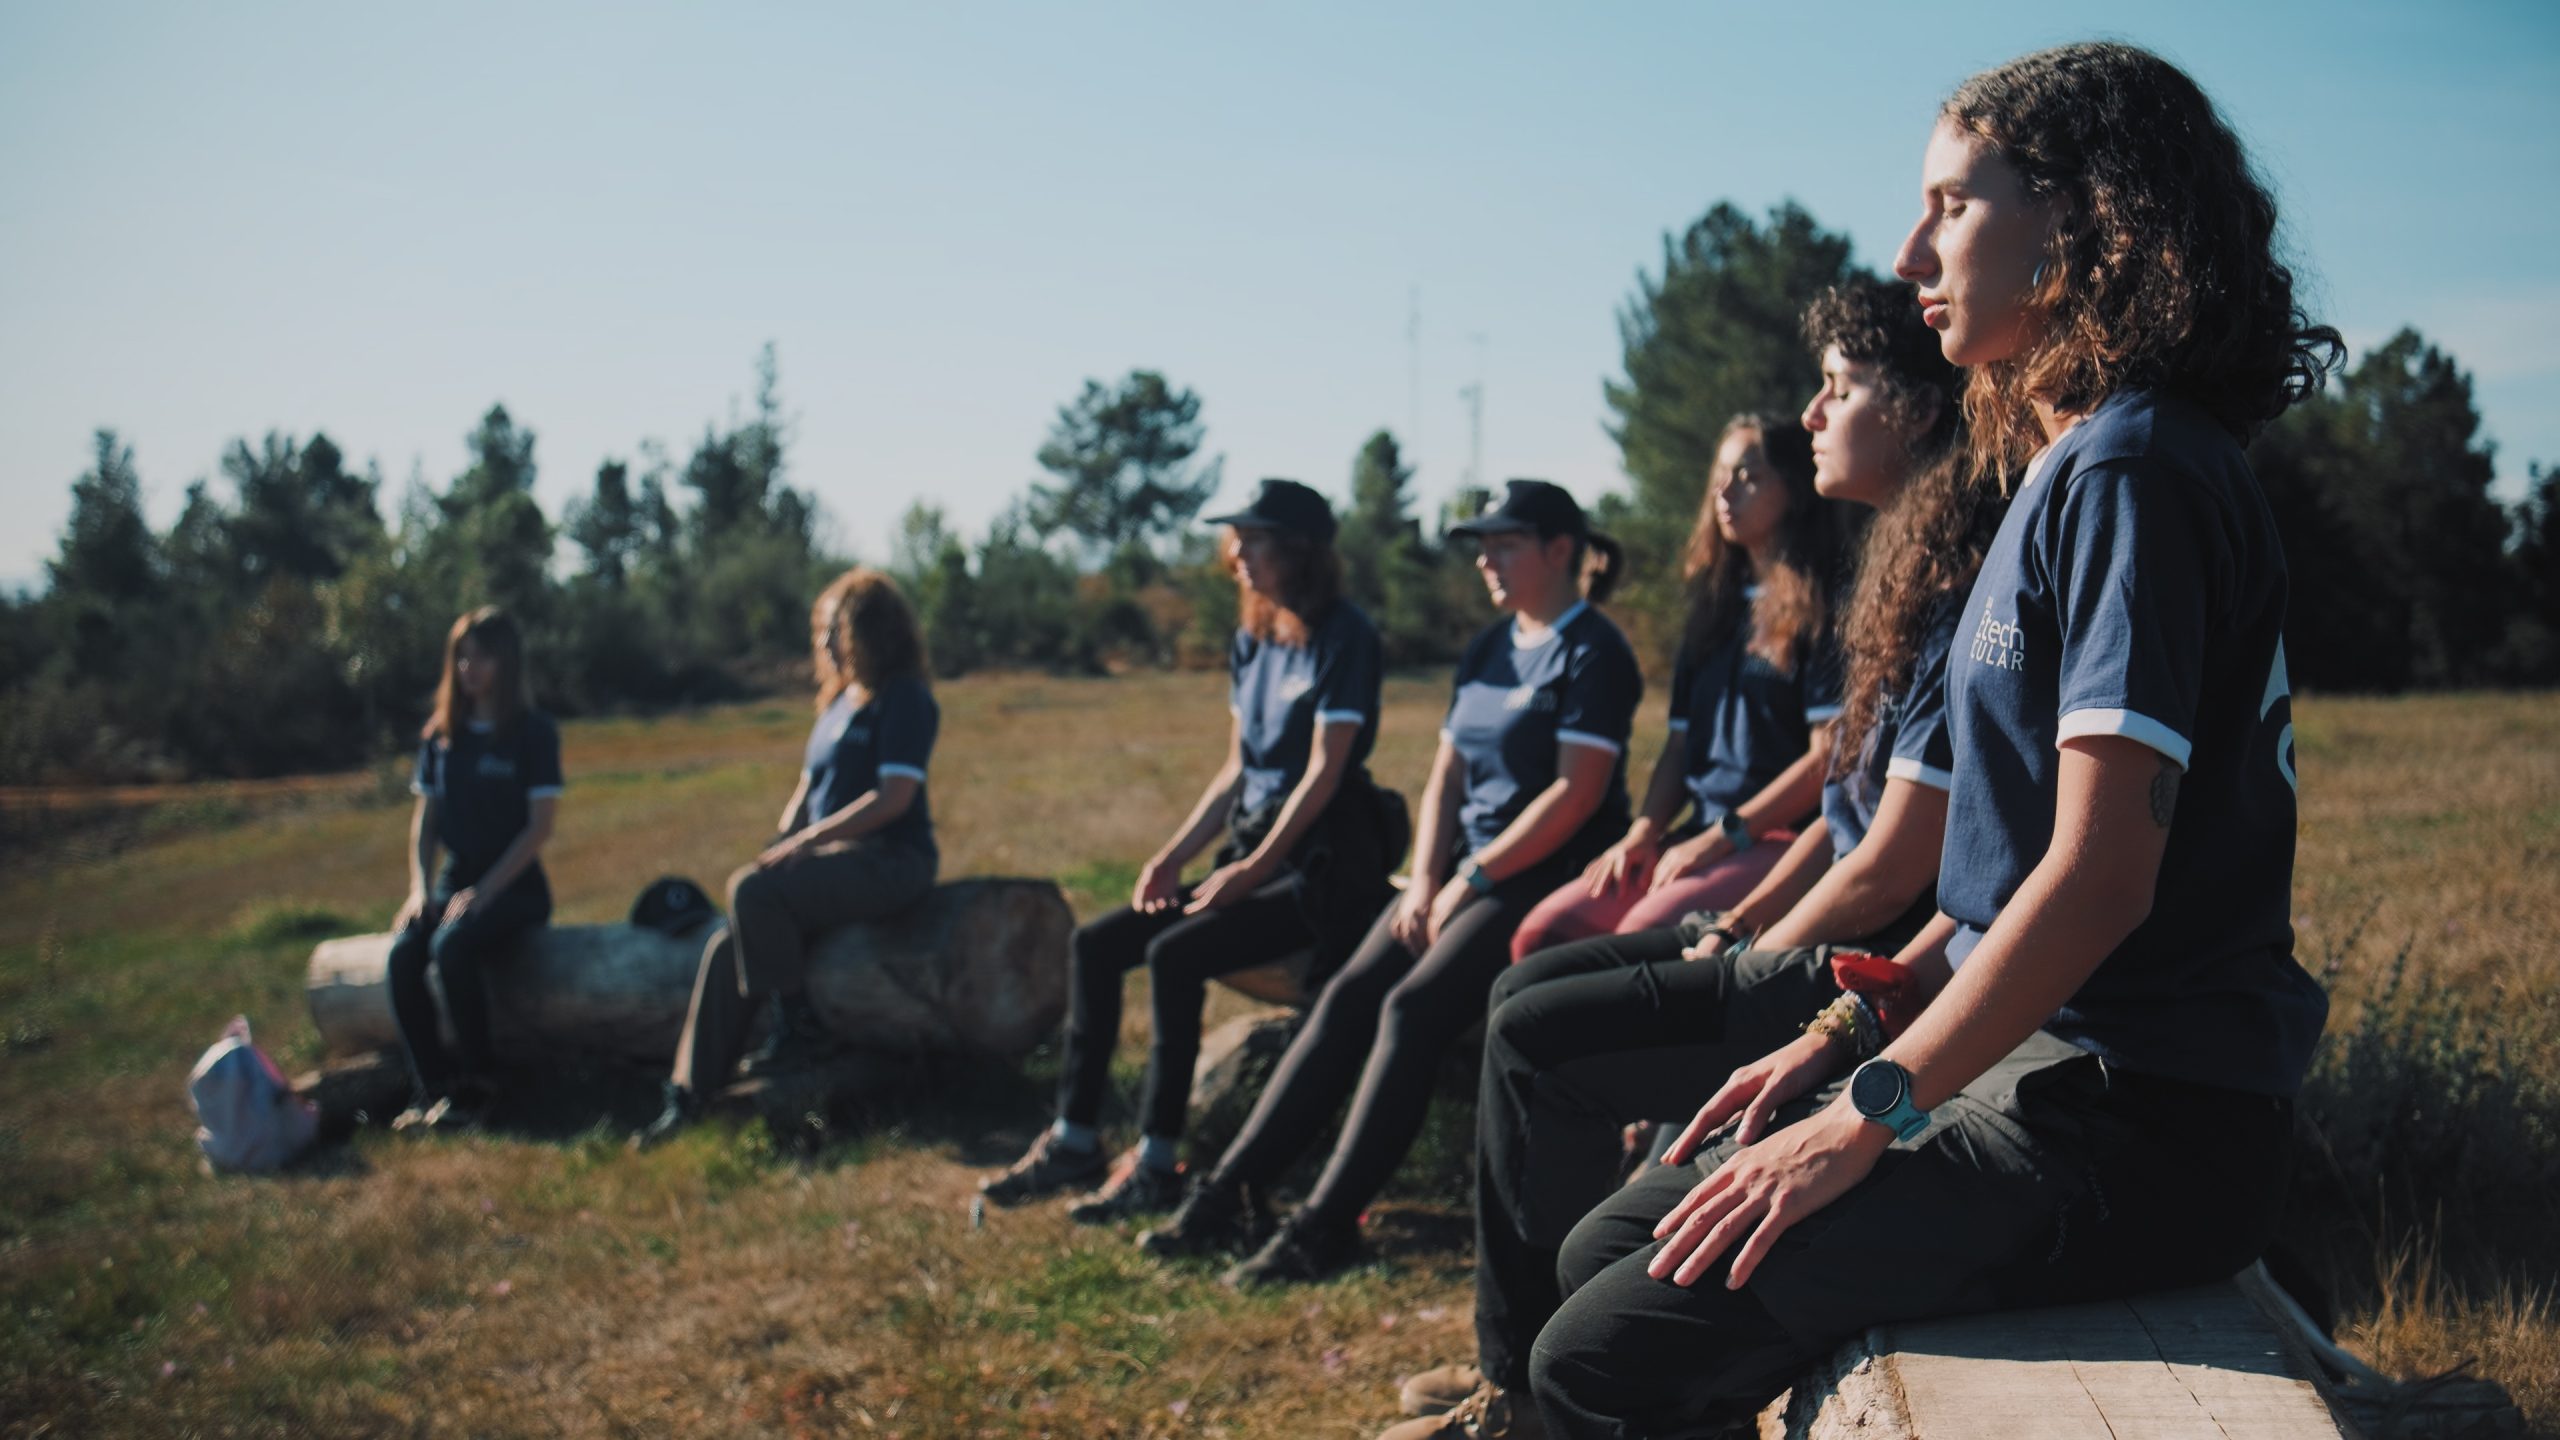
x=286, y=622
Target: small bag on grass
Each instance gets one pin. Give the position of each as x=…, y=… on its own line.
x=248, y=1119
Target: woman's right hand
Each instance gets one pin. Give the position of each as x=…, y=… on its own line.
x=1628, y=863
x=1410, y=922
x=410, y=910
x=1159, y=885
x=1755, y=1092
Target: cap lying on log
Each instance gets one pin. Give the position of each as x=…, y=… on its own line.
x=979, y=968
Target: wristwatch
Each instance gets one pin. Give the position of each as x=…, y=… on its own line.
x=1475, y=876
x=1736, y=833
x=1881, y=1090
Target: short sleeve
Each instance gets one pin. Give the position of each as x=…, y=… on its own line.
x=1684, y=674
x=541, y=760
x=2134, y=583
x=909, y=720
x=1240, y=653
x=426, y=777
x=1924, y=750
x=1822, y=666
x=1348, y=674
x=1601, y=691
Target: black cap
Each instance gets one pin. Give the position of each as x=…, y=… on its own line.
x=1284, y=505
x=1537, y=505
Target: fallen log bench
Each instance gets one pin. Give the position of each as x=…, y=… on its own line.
x=976, y=970
x=2211, y=1361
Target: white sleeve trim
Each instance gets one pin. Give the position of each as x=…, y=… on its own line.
x=1819, y=714
x=1680, y=722
x=544, y=792
x=2132, y=725
x=1341, y=717
x=1585, y=737
x=910, y=771
x=1445, y=735
x=417, y=789
x=1919, y=774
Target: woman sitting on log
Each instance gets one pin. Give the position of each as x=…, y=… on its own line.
x=2080, y=1082
x=856, y=842
x=1528, y=786
x=1753, y=689
x=488, y=788
x=1303, y=867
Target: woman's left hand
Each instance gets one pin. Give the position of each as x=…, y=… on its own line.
x=1226, y=885
x=458, y=904
x=1754, y=1197
x=1689, y=857
x=1453, y=897
x=784, y=850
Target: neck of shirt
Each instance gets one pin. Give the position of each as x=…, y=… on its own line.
x=1519, y=624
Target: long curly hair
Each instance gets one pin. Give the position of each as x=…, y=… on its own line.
x=2163, y=272
x=863, y=613
x=1794, y=598
x=1929, y=539
x=1312, y=580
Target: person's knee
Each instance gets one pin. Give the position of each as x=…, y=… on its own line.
x=1570, y=1370
x=749, y=885
x=456, y=948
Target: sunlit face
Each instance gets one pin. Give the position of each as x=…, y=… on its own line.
x=825, y=637
x=1859, y=455
x=1262, y=561
x=1519, y=569
x=1750, y=500
x=1975, y=250
x=475, y=670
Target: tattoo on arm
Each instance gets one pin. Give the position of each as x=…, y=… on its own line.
x=2164, y=793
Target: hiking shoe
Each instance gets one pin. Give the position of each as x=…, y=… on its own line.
x=1438, y=1390
x=1216, y=1218
x=1134, y=1189
x=682, y=1109
x=415, y=1117
x=446, y=1115
x=1302, y=1251
x=1048, y=1167
x=1491, y=1413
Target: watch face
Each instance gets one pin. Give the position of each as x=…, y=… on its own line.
x=1876, y=1088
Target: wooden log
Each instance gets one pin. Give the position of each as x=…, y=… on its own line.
x=2199, y=1362
x=977, y=969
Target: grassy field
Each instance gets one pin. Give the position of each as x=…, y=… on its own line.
x=540, y=1281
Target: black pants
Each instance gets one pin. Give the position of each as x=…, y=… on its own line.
x=774, y=913
x=2051, y=1180
x=1377, y=1034
x=1581, y=1040
x=1182, y=953
x=458, y=950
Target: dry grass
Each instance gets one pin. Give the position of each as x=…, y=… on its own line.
x=547, y=1283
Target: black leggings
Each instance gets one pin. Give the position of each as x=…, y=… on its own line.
x=1378, y=1034
x=1182, y=953
x=457, y=949
x=1581, y=1040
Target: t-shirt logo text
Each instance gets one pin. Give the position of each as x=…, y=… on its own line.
x=1529, y=697
x=1999, y=644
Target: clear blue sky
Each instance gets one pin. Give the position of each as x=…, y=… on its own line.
x=215, y=220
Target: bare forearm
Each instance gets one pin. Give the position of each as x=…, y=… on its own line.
x=1797, y=873
x=422, y=849
x=1792, y=795
x=1540, y=830
x=1663, y=793
x=1438, y=823
x=1308, y=798
x=868, y=813
x=1208, y=817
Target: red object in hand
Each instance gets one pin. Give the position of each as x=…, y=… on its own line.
x=1892, y=989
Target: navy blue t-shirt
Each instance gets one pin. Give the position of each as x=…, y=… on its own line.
x=1908, y=741
x=484, y=781
x=1281, y=693
x=2137, y=588
x=1741, y=720
x=852, y=746
x=1514, y=704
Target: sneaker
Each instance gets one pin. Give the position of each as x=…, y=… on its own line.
x=1491, y=1413
x=1045, y=1169
x=682, y=1109
x=1301, y=1252
x=1216, y=1218
x=446, y=1114
x=1133, y=1189
x=1438, y=1390
x=415, y=1117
